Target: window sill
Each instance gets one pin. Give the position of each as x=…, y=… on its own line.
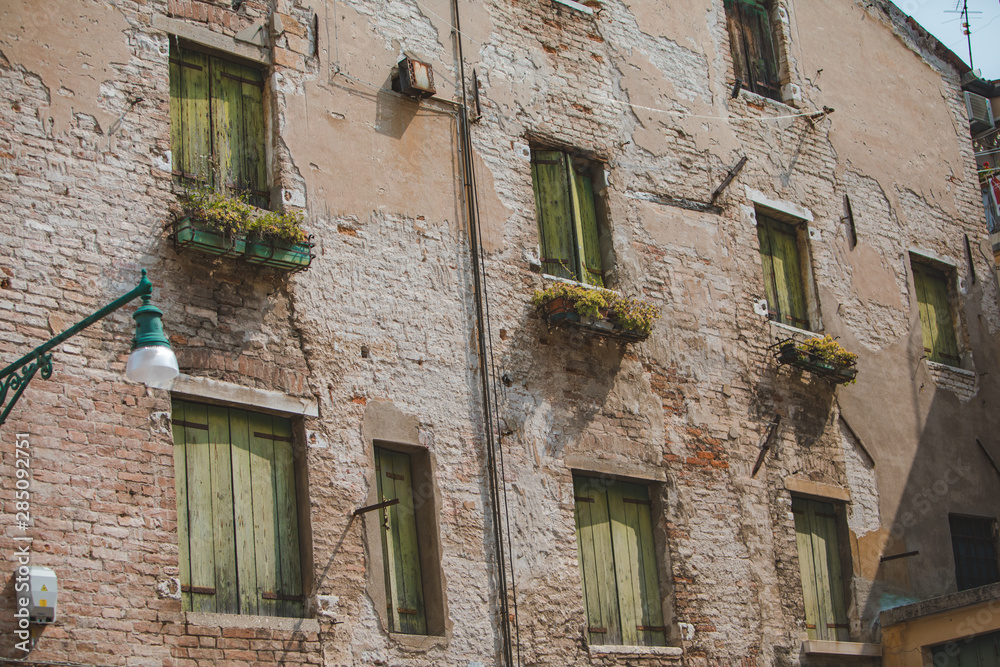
x=278, y=623
x=419, y=643
x=789, y=328
x=610, y=649
x=842, y=649
x=584, y=9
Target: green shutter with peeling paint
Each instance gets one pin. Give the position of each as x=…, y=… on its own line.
x=550, y=180
x=618, y=563
x=783, y=278
x=585, y=222
x=937, y=326
x=819, y=564
x=190, y=128
x=400, y=549
x=237, y=511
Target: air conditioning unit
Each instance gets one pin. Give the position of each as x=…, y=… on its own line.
x=980, y=113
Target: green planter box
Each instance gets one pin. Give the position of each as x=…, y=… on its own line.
x=286, y=256
x=194, y=235
x=788, y=354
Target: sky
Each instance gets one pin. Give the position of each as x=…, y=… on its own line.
x=934, y=16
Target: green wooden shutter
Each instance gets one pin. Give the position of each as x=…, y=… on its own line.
x=782, y=272
x=190, y=128
x=237, y=512
x=238, y=125
x=596, y=560
x=618, y=563
x=937, y=326
x=550, y=180
x=585, y=223
x=400, y=550
x=819, y=563
x=752, y=46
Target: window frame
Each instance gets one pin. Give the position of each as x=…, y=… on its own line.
x=196, y=422
x=222, y=70
x=740, y=15
x=967, y=579
x=425, y=502
x=769, y=222
x=944, y=275
x=831, y=524
x=596, y=575
x=571, y=216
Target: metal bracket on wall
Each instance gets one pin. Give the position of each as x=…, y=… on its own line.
x=989, y=456
x=849, y=219
x=765, y=444
x=729, y=179
x=377, y=506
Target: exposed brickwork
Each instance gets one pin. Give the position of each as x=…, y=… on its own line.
x=385, y=316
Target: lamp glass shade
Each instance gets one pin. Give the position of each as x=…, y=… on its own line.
x=152, y=365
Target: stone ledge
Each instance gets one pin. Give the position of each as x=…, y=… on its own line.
x=418, y=643
x=945, y=603
x=243, y=397
x=210, y=620
x=660, y=651
x=808, y=487
x=843, y=649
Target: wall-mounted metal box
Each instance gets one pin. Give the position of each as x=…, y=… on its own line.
x=44, y=587
x=416, y=79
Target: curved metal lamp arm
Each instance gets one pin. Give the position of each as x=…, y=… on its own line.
x=17, y=375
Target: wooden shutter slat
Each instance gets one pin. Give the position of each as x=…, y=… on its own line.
x=264, y=520
x=803, y=540
x=201, y=522
x=290, y=566
x=652, y=632
x=194, y=139
x=589, y=249
x=552, y=206
x=245, y=543
x=936, y=323
x=180, y=486
x=597, y=562
x=226, y=592
x=254, y=151
x=625, y=548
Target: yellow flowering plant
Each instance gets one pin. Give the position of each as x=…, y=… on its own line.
x=629, y=313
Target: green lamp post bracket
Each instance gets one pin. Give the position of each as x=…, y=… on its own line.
x=17, y=375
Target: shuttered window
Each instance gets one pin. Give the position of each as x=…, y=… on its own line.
x=217, y=123
x=621, y=589
x=751, y=43
x=819, y=564
x=236, y=511
x=783, y=277
x=937, y=326
x=974, y=543
x=567, y=216
x=400, y=548
x=981, y=651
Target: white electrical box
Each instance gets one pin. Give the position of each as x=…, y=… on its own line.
x=44, y=587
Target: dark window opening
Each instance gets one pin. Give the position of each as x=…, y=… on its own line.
x=751, y=41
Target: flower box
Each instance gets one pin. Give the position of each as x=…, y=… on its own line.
x=791, y=354
x=196, y=235
x=193, y=234
x=290, y=257
x=560, y=311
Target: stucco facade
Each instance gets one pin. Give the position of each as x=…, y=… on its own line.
x=419, y=240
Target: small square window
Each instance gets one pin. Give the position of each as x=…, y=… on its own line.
x=751, y=42
x=974, y=543
x=217, y=123
x=817, y=537
x=568, y=216
x=936, y=322
x=784, y=272
x=237, y=513
x=621, y=588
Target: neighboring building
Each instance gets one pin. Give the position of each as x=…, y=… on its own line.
x=757, y=170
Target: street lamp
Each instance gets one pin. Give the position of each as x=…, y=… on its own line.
x=152, y=362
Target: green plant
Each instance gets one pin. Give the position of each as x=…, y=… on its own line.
x=626, y=312
x=231, y=214
x=828, y=350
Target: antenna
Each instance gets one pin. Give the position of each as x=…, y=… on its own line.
x=966, y=20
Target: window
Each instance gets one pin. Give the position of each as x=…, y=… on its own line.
x=400, y=547
x=751, y=42
x=936, y=323
x=819, y=564
x=974, y=542
x=217, y=123
x=783, y=272
x=237, y=515
x=567, y=215
x=621, y=590
x=968, y=651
